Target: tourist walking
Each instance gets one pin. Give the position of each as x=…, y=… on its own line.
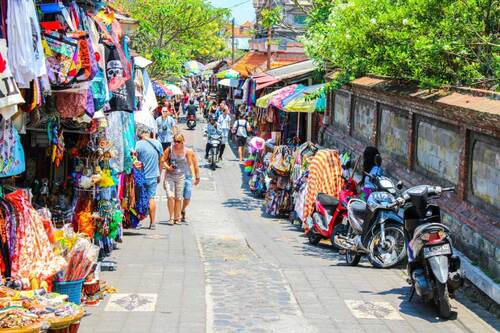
x=166, y=127
x=224, y=124
x=179, y=163
x=241, y=128
x=149, y=154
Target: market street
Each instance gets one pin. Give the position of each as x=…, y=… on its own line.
x=229, y=269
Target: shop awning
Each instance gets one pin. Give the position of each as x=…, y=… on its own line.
x=264, y=80
x=229, y=83
x=256, y=62
x=228, y=74
x=276, y=97
x=300, y=101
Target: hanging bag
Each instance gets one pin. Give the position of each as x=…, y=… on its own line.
x=12, y=160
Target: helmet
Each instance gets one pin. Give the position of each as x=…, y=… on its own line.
x=212, y=117
x=191, y=101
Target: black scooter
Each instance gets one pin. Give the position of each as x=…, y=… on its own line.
x=433, y=270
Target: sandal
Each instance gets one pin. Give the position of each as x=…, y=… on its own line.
x=171, y=222
x=177, y=222
x=152, y=227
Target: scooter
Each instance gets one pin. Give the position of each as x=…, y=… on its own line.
x=433, y=270
x=213, y=153
x=375, y=229
x=191, y=121
x=330, y=214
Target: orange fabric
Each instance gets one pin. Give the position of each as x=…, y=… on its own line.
x=325, y=176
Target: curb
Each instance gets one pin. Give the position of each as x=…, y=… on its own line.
x=478, y=278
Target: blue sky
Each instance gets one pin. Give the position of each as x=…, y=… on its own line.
x=243, y=12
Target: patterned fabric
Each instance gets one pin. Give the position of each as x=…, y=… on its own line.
x=325, y=176
x=33, y=253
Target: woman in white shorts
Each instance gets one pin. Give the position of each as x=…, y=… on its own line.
x=177, y=162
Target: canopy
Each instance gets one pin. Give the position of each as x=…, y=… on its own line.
x=280, y=94
x=142, y=62
x=229, y=83
x=172, y=89
x=194, y=67
x=159, y=89
x=299, y=101
x=228, y=74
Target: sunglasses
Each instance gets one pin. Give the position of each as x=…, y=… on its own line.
x=177, y=141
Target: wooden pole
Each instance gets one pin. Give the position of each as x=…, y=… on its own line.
x=269, y=38
x=232, y=42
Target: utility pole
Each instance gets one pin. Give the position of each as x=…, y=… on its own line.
x=269, y=37
x=232, y=42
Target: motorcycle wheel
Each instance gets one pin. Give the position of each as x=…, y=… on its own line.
x=339, y=229
x=397, y=250
x=351, y=257
x=213, y=157
x=443, y=300
x=313, y=237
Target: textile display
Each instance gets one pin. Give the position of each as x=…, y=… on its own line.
x=325, y=176
x=9, y=92
x=12, y=159
x=122, y=97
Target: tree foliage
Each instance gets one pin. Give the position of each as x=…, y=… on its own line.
x=435, y=42
x=172, y=32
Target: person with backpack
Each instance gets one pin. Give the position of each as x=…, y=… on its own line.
x=241, y=128
x=149, y=152
x=179, y=164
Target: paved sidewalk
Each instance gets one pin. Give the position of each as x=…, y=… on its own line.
x=229, y=269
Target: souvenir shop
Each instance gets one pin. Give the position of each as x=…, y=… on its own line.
x=69, y=182
x=285, y=171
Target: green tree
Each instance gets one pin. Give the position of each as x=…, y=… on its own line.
x=435, y=42
x=172, y=32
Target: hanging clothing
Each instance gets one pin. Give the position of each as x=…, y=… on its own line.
x=26, y=56
x=325, y=176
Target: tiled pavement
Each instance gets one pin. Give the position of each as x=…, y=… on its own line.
x=231, y=270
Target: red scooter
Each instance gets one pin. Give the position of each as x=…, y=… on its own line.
x=330, y=214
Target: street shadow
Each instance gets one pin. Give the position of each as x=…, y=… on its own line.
x=132, y=233
x=242, y=204
x=416, y=308
x=322, y=251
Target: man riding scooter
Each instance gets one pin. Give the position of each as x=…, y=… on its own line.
x=191, y=115
x=213, y=132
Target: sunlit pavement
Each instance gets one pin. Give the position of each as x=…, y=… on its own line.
x=231, y=269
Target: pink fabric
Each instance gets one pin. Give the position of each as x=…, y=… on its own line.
x=283, y=93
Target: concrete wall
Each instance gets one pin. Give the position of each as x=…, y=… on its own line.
x=425, y=143
x=393, y=140
x=438, y=150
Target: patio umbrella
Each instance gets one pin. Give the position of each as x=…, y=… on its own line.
x=228, y=74
x=299, y=101
x=277, y=100
x=264, y=101
x=159, y=89
x=194, y=67
x=173, y=89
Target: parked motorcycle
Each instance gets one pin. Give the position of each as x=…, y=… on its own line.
x=330, y=214
x=213, y=153
x=191, y=121
x=433, y=270
x=375, y=229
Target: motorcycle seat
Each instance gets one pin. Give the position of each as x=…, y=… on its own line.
x=328, y=201
x=358, y=209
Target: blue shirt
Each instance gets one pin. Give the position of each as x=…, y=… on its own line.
x=149, y=153
x=375, y=171
x=212, y=131
x=166, y=128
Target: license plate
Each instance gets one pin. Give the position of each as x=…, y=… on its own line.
x=437, y=250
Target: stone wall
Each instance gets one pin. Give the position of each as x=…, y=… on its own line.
x=424, y=142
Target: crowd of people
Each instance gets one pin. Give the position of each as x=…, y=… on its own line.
x=166, y=158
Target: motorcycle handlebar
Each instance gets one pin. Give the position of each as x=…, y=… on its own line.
x=448, y=189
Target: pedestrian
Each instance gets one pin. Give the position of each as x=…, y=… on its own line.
x=224, y=124
x=241, y=128
x=179, y=163
x=166, y=127
x=177, y=105
x=149, y=154
x=185, y=100
x=193, y=169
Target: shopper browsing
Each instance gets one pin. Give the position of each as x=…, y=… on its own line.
x=166, y=128
x=149, y=152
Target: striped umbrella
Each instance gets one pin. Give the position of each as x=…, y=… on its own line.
x=300, y=101
x=194, y=67
x=280, y=94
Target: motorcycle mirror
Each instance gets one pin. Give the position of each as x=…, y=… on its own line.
x=399, y=185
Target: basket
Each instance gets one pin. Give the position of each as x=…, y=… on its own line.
x=71, y=288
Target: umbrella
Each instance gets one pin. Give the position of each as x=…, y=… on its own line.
x=173, y=89
x=299, y=101
x=159, y=89
x=264, y=101
x=228, y=74
x=194, y=67
x=277, y=99
x=229, y=83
